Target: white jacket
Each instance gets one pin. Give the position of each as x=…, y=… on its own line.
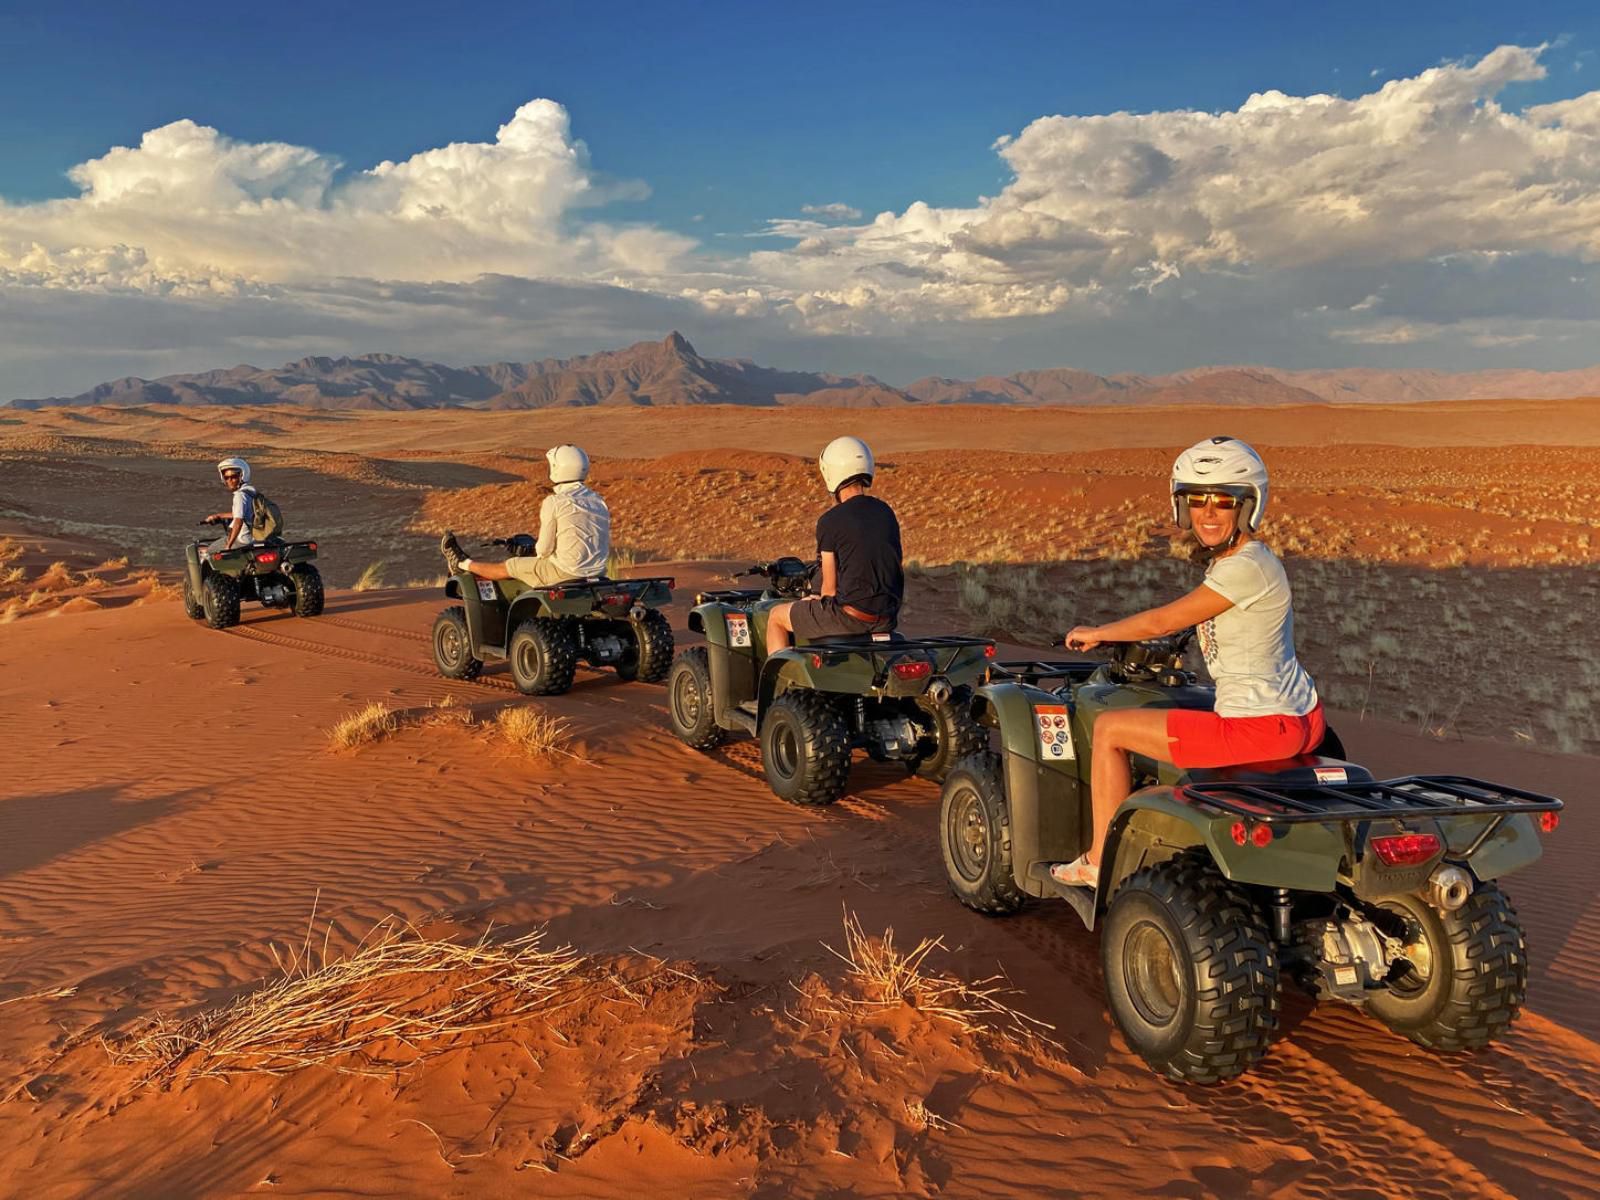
x=575, y=530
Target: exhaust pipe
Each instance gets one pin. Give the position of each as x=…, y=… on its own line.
x=939, y=691
x=1448, y=888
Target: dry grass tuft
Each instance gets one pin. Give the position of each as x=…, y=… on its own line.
x=363, y=727
x=881, y=978
x=370, y=579
x=10, y=549
x=533, y=733
x=111, y=564
x=55, y=578
x=11, y=575
x=394, y=1000
x=448, y=712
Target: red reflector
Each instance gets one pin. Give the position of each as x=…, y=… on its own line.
x=1261, y=836
x=671, y=583
x=313, y=545
x=1239, y=833
x=988, y=651
x=617, y=598
x=816, y=660
x=1406, y=849
x=268, y=556
x=1549, y=820
x=914, y=670
x=557, y=593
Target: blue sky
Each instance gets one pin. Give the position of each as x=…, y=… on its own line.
x=704, y=124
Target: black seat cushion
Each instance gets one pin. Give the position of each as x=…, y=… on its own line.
x=1301, y=770
x=863, y=640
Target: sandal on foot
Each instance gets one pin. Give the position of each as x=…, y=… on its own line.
x=1080, y=872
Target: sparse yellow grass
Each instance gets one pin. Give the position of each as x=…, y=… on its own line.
x=10, y=549
x=54, y=578
x=370, y=579
x=880, y=977
x=396, y=999
x=113, y=564
x=11, y=575
x=363, y=727
x=531, y=732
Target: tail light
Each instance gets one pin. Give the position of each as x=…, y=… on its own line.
x=1549, y=820
x=816, y=662
x=312, y=545
x=615, y=598
x=557, y=593
x=671, y=583
x=267, y=556
x=988, y=651
x=1406, y=849
x=917, y=669
x=1255, y=835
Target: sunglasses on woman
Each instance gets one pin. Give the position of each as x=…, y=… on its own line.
x=1217, y=500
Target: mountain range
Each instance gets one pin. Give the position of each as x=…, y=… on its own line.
x=671, y=372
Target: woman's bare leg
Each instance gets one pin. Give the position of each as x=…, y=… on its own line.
x=1116, y=735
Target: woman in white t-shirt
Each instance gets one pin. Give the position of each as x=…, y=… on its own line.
x=1267, y=707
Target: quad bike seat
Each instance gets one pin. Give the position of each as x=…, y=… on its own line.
x=865, y=641
x=1301, y=770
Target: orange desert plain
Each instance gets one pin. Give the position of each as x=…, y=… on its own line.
x=598, y=964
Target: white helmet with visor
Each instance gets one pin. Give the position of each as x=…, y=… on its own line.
x=1226, y=466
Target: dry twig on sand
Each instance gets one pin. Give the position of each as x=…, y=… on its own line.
x=881, y=977
x=395, y=999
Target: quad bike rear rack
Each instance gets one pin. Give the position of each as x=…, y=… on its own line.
x=886, y=653
x=1388, y=799
x=1031, y=671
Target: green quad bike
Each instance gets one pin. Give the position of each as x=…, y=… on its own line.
x=274, y=572
x=1384, y=894
x=900, y=699
x=545, y=631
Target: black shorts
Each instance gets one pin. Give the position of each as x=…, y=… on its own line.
x=811, y=619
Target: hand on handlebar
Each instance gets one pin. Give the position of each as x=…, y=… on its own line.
x=1083, y=637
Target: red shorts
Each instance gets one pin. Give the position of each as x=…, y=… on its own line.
x=1203, y=739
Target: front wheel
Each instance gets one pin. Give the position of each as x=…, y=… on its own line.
x=1463, y=975
x=219, y=600
x=192, y=606
x=452, y=646
x=306, y=581
x=544, y=657
x=805, y=748
x=690, y=704
x=975, y=836
x=1191, y=973
x=651, y=656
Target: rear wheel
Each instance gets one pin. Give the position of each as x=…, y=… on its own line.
x=975, y=836
x=544, y=657
x=1191, y=973
x=690, y=704
x=1464, y=974
x=219, y=600
x=651, y=657
x=306, y=581
x=452, y=646
x=805, y=748
x=192, y=606
x=955, y=735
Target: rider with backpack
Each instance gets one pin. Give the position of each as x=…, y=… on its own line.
x=253, y=518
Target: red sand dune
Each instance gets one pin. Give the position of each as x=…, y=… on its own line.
x=172, y=810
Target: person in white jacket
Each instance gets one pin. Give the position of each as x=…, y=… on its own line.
x=574, y=531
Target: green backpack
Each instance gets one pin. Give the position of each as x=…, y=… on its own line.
x=266, y=518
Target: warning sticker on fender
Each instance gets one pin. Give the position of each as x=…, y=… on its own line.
x=486, y=589
x=738, y=629
x=1331, y=775
x=1055, y=734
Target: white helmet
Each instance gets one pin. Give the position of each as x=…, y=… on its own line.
x=1221, y=464
x=568, y=464
x=843, y=459
x=234, y=464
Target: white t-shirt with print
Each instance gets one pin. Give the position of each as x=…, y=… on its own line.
x=244, y=508
x=1249, y=649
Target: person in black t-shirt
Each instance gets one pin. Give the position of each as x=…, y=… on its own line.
x=858, y=541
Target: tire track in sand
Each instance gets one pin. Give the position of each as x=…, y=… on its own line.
x=255, y=633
